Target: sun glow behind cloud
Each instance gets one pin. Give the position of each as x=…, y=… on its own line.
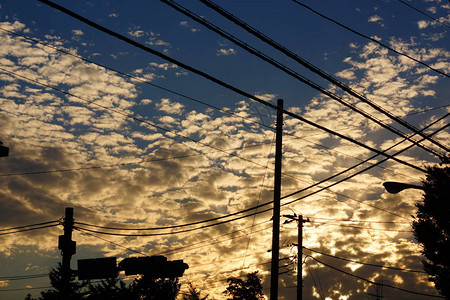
x=150, y=177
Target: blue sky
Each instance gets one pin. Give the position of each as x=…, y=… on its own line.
x=180, y=161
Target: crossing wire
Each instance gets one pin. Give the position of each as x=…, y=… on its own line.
x=425, y=14
x=31, y=225
x=364, y=263
x=270, y=202
x=28, y=229
x=312, y=68
x=373, y=282
x=217, y=81
x=159, y=127
x=290, y=72
x=370, y=38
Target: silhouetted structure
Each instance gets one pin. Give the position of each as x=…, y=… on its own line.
x=432, y=227
x=4, y=151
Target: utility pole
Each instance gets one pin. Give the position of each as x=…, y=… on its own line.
x=68, y=248
x=300, y=221
x=276, y=204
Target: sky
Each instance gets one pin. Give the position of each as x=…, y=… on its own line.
x=131, y=140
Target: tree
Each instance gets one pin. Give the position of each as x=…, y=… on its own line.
x=73, y=288
x=251, y=289
x=157, y=289
x=111, y=289
x=431, y=227
x=193, y=294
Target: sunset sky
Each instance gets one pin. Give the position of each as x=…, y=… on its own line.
x=131, y=140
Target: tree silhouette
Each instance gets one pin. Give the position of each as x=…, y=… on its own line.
x=251, y=289
x=71, y=290
x=193, y=294
x=111, y=289
x=432, y=227
x=157, y=289
x=108, y=289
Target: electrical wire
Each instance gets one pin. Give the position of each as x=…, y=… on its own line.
x=292, y=73
x=373, y=282
x=23, y=277
x=108, y=241
x=215, y=80
x=312, y=68
x=31, y=225
x=425, y=14
x=366, y=228
x=370, y=38
x=147, y=82
x=26, y=289
x=319, y=291
x=29, y=229
x=144, y=81
x=249, y=209
x=363, y=263
x=93, y=102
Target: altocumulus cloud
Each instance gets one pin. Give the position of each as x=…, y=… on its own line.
x=161, y=178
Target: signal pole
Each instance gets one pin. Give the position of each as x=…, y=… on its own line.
x=276, y=204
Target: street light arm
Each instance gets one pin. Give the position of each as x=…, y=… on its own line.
x=396, y=187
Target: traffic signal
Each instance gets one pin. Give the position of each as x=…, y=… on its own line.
x=4, y=151
x=97, y=268
x=153, y=267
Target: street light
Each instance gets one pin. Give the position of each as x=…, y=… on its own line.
x=396, y=187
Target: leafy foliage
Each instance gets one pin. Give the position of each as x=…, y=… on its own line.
x=432, y=227
x=250, y=289
x=193, y=294
x=108, y=289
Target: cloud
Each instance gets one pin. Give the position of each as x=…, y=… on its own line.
x=77, y=32
x=422, y=24
x=117, y=172
x=226, y=52
x=170, y=107
x=375, y=18
x=136, y=33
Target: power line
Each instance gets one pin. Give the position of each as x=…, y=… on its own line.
x=425, y=14
x=149, y=83
x=135, y=118
x=31, y=225
x=23, y=277
x=255, y=207
x=29, y=229
x=373, y=282
x=372, y=39
x=358, y=221
x=111, y=242
x=312, y=68
x=26, y=289
x=226, y=221
x=290, y=72
x=363, y=263
x=215, y=80
x=366, y=228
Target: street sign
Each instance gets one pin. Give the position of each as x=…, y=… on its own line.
x=97, y=268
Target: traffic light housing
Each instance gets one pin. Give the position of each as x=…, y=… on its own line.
x=4, y=151
x=153, y=267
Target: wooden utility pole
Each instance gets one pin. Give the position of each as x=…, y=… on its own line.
x=276, y=204
x=300, y=222
x=68, y=248
x=299, y=258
